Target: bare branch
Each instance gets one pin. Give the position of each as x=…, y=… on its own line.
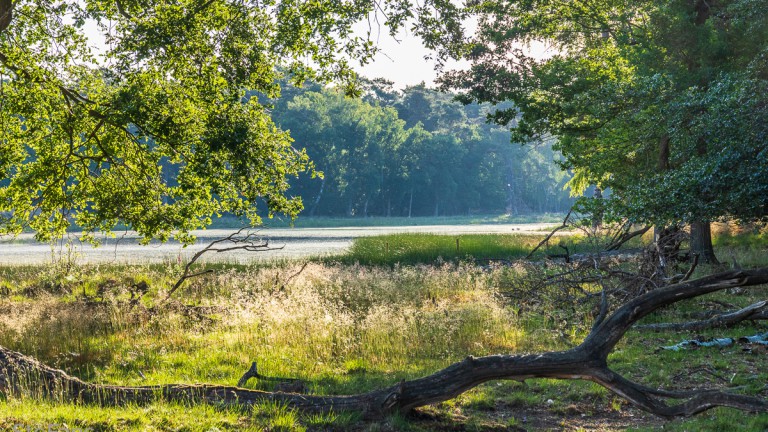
x=756, y=311
x=549, y=236
x=249, y=242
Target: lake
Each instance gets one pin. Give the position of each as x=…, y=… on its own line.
x=287, y=243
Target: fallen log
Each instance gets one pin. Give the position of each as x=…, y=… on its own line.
x=759, y=339
x=20, y=374
x=753, y=312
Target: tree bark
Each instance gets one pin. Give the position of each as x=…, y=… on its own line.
x=753, y=312
x=701, y=242
x=22, y=375
x=6, y=14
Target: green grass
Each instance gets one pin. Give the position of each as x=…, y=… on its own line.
x=418, y=248
x=430, y=248
x=346, y=328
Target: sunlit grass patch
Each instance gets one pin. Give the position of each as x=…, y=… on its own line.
x=430, y=248
x=340, y=329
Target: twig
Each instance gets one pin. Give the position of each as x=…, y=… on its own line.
x=295, y=275
x=618, y=242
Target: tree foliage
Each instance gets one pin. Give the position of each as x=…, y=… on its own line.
x=414, y=152
x=86, y=133
x=662, y=102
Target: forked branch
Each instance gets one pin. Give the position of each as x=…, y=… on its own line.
x=248, y=241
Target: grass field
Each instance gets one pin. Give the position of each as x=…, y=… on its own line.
x=345, y=328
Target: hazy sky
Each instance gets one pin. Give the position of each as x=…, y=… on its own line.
x=403, y=62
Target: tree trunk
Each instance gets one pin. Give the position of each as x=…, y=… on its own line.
x=317, y=199
x=701, y=242
x=6, y=13
x=24, y=376
x=410, y=204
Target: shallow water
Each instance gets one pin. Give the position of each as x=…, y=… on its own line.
x=284, y=242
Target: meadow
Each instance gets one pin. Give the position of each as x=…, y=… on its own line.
x=352, y=324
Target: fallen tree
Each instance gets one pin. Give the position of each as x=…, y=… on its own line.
x=22, y=375
x=754, y=312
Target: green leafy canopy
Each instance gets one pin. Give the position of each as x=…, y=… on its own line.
x=85, y=132
x=663, y=102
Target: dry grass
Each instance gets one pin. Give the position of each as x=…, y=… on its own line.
x=341, y=328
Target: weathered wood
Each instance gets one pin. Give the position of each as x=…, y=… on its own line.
x=753, y=312
x=6, y=14
x=20, y=374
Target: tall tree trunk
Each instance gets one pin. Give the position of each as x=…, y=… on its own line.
x=349, y=208
x=317, y=199
x=597, y=218
x=410, y=204
x=701, y=242
x=659, y=231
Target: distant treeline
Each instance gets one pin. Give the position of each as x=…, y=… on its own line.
x=414, y=152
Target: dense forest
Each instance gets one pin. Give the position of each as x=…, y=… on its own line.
x=415, y=152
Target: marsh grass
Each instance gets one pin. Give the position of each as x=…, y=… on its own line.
x=411, y=249
x=341, y=328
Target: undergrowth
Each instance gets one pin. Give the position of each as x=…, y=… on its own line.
x=348, y=328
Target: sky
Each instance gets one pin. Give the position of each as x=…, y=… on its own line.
x=402, y=61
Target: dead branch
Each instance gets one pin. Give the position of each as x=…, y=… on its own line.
x=22, y=375
x=625, y=237
x=752, y=312
x=549, y=236
x=294, y=276
x=249, y=242
x=690, y=271
x=253, y=372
